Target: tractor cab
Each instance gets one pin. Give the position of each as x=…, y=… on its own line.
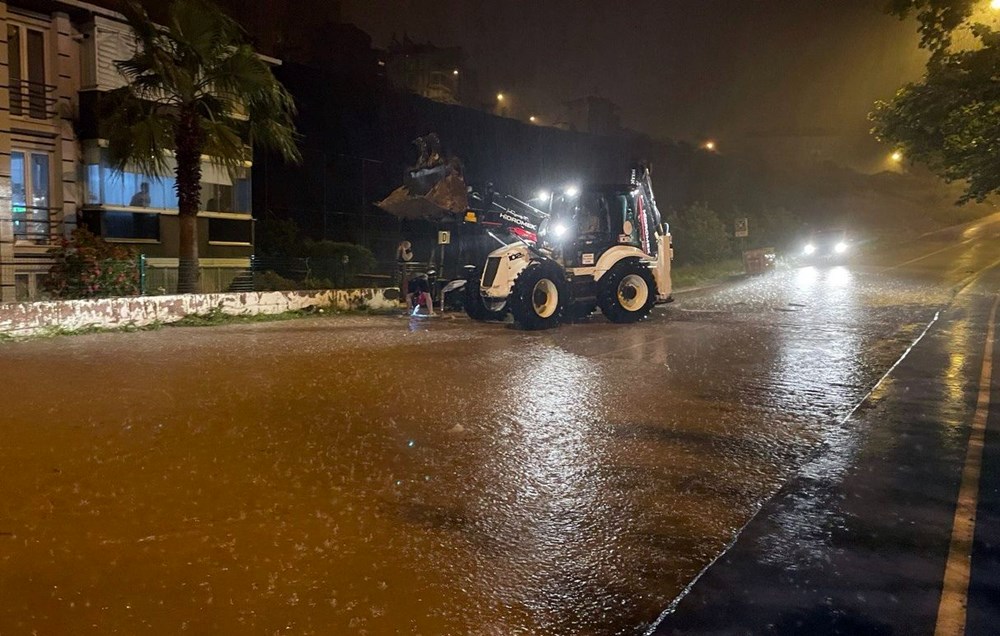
x=583, y=224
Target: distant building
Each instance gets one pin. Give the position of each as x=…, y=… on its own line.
x=426, y=70
x=594, y=115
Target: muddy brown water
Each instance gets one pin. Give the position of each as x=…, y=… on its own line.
x=390, y=475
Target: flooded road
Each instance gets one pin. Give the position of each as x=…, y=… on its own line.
x=391, y=475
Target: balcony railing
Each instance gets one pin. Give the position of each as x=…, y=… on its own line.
x=32, y=99
x=33, y=225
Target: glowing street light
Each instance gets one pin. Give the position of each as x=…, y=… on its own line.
x=709, y=146
x=499, y=97
x=897, y=155
x=455, y=72
x=533, y=119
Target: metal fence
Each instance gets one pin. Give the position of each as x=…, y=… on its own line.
x=286, y=273
x=140, y=277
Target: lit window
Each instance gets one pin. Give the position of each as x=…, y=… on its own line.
x=109, y=188
x=29, y=181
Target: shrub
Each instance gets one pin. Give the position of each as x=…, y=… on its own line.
x=326, y=261
x=275, y=236
x=272, y=281
x=699, y=236
x=317, y=283
x=89, y=267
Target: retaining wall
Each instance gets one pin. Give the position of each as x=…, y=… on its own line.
x=25, y=319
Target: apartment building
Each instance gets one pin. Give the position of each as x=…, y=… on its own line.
x=56, y=58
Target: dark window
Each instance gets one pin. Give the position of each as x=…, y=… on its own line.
x=14, y=59
x=36, y=74
x=131, y=225
x=26, y=60
x=230, y=231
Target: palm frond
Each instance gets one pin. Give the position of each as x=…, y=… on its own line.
x=139, y=135
x=224, y=144
x=200, y=62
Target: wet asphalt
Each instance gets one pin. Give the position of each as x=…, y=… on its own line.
x=857, y=541
x=380, y=475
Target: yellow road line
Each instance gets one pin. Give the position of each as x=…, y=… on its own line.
x=954, y=594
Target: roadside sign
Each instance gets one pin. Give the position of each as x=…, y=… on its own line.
x=444, y=237
x=742, y=228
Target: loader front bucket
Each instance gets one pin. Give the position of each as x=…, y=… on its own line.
x=430, y=194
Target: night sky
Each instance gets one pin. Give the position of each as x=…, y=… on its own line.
x=742, y=72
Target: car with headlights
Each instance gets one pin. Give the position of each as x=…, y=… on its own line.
x=826, y=246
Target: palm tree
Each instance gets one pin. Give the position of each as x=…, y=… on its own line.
x=194, y=87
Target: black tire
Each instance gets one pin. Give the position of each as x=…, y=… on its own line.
x=473, y=301
x=539, y=296
x=621, y=292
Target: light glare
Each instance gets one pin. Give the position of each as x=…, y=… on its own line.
x=809, y=249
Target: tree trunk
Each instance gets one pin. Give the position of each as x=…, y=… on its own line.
x=189, y=141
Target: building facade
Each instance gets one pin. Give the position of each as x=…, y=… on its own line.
x=426, y=70
x=56, y=58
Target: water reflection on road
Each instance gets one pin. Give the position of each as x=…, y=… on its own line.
x=410, y=475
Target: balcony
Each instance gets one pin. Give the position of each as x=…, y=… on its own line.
x=32, y=99
x=33, y=225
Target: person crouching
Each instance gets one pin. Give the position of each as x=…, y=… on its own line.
x=418, y=292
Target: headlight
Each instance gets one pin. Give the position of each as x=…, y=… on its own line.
x=809, y=249
x=559, y=229
x=840, y=248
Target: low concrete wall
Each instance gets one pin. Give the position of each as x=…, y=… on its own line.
x=25, y=319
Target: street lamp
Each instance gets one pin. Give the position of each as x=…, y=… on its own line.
x=455, y=72
x=897, y=155
x=499, y=97
x=533, y=119
x=709, y=146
